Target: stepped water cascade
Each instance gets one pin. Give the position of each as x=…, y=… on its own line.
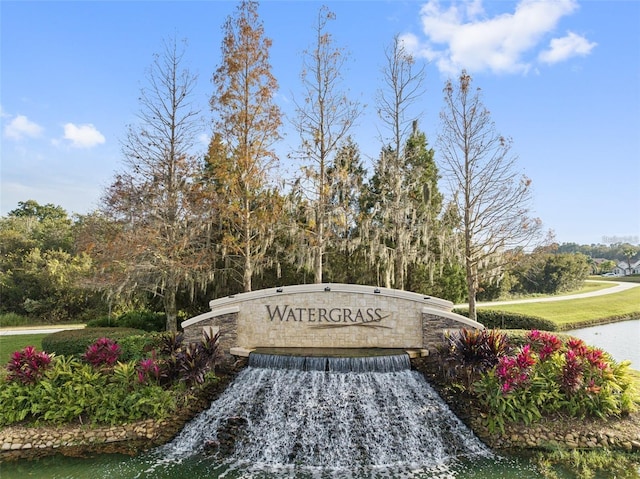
x=328, y=417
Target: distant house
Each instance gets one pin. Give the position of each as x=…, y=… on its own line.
x=624, y=269
x=595, y=264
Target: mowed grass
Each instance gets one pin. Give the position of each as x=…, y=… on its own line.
x=568, y=312
x=11, y=343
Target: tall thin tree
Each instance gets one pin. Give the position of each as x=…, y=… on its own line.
x=156, y=213
x=248, y=123
x=401, y=215
x=324, y=119
x=491, y=196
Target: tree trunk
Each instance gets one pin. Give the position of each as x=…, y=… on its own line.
x=170, y=308
x=248, y=259
x=471, y=292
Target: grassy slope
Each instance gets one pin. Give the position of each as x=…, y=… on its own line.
x=9, y=344
x=573, y=311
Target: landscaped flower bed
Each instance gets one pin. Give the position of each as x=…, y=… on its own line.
x=96, y=388
x=522, y=379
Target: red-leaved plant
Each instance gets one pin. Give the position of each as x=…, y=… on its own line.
x=27, y=365
x=149, y=370
x=104, y=352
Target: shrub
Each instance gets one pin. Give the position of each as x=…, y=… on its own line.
x=137, y=347
x=28, y=365
x=104, y=352
x=71, y=391
x=102, y=322
x=75, y=342
x=13, y=319
x=145, y=320
x=504, y=320
x=547, y=375
x=149, y=371
x=189, y=363
x=468, y=353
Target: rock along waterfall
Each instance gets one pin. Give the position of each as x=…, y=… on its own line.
x=346, y=417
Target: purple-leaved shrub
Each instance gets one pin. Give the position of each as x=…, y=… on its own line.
x=104, y=352
x=27, y=365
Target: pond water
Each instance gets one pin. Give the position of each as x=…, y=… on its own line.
x=147, y=467
x=621, y=340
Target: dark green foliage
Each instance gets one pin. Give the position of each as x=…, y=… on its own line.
x=188, y=363
x=490, y=318
x=551, y=273
x=141, y=319
x=145, y=320
x=40, y=270
x=75, y=342
x=72, y=391
x=137, y=347
x=449, y=284
x=468, y=353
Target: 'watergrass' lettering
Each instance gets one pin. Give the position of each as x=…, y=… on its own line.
x=328, y=315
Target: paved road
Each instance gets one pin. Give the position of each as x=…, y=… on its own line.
x=37, y=329
x=617, y=287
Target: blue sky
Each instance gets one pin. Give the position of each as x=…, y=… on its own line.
x=560, y=77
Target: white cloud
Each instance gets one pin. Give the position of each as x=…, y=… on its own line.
x=561, y=49
x=462, y=36
x=21, y=127
x=83, y=136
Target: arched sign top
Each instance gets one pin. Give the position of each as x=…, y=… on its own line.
x=333, y=315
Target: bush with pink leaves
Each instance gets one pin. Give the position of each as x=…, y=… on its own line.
x=28, y=365
x=149, y=371
x=547, y=376
x=104, y=352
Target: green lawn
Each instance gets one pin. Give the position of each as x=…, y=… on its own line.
x=571, y=311
x=9, y=344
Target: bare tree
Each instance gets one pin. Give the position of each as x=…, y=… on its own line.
x=248, y=125
x=491, y=196
x=324, y=119
x=157, y=214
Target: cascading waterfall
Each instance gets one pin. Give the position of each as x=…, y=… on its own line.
x=328, y=414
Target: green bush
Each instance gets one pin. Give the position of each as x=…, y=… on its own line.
x=75, y=342
x=138, y=347
x=73, y=391
x=142, y=319
x=493, y=319
x=102, y=322
x=13, y=319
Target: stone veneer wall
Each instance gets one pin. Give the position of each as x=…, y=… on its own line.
x=434, y=326
x=227, y=325
x=327, y=316
x=32, y=442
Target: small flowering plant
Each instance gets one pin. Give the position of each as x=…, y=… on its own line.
x=28, y=365
x=104, y=352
